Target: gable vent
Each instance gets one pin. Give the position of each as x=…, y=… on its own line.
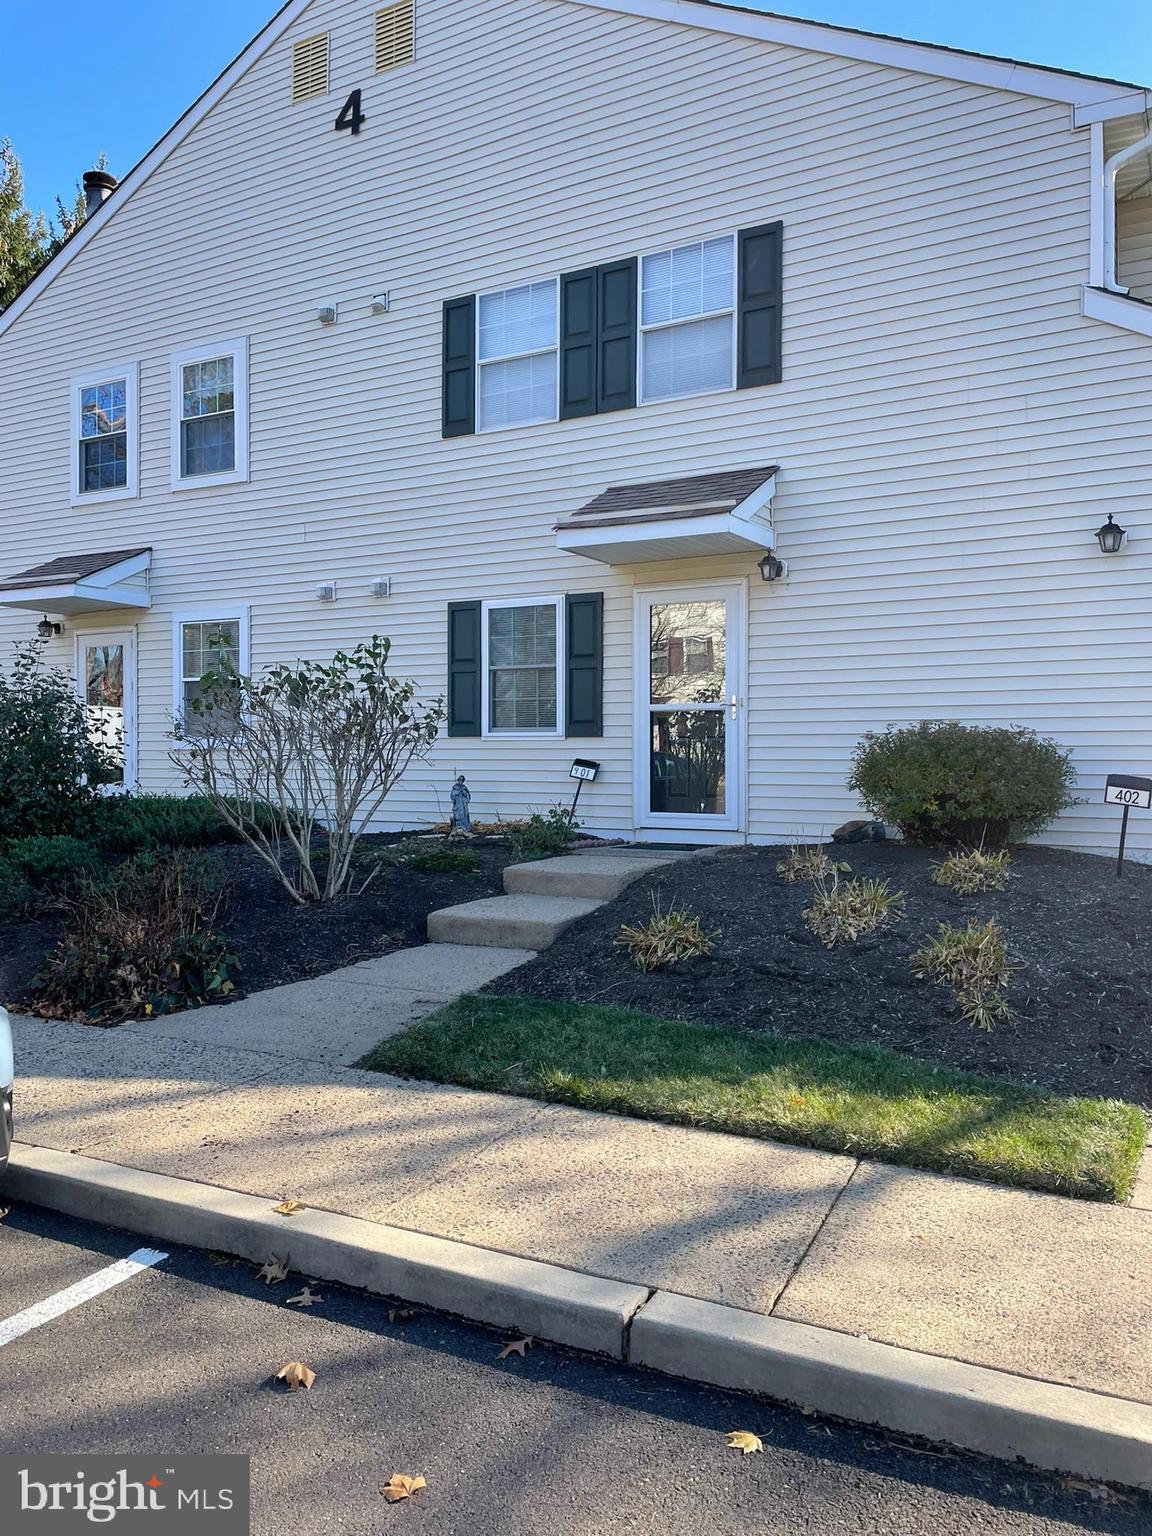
x=310, y=67
x=395, y=35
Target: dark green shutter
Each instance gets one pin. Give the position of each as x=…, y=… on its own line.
x=578, y=343
x=598, y=339
x=464, y=669
x=761, y=268
x=584, y=693
x=616, y=373
x=459, y=367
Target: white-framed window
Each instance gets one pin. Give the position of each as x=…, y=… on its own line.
x=688, y=320
x=210, y=414
x=202, y=639
x=517, y=351
x=522, y=677
x=105, y=432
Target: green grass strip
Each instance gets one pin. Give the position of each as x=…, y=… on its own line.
x=856, y=1099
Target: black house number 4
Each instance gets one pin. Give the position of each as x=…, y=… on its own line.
x=351, y=115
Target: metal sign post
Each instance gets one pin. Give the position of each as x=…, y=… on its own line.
x=584, y=771
x=1127, y=790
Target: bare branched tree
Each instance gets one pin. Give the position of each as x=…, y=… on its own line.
x=310, y=745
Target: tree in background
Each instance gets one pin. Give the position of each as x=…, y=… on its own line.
x=27, y=239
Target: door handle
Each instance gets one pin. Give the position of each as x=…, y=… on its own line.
x=734, y=705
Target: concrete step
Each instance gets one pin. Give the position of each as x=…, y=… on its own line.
x=507, y=922
x=595, y=876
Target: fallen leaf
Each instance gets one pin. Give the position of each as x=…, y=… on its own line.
x=295, y=1375
x=401, y=1314
x=744, y=1441
x=274, y=1270
x=1099, y=1493
x=517, y=1347
x=288, y=1208
x=5, y=1210
x=305, y=1299
x=223, y=1260
x=400, y=1487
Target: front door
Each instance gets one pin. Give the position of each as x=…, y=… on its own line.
x=106, y=675
x=690, y=708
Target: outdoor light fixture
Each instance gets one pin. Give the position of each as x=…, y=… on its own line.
x=771, y=568
x=46, y=629
x=1111, y=536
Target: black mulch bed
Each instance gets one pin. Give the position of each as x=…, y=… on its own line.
x=1082, y=1004
x=276, y=941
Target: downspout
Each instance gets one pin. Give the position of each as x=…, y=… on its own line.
x=1111, y=170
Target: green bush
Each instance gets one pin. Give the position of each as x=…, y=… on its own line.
x=141, y=943
x=445, y=861
x=39, y=871
x=956, y=785
x=134, y=823
x=542, y=837
x=50, y=767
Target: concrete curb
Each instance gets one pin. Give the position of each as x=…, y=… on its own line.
x=478, y=1283
x=1059, y=1428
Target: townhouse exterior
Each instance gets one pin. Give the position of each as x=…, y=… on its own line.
x=678, y=387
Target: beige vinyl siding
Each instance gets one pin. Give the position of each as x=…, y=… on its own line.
x=1134, y=247
x=950, y=429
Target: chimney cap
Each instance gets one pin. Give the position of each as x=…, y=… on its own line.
x=103, y=179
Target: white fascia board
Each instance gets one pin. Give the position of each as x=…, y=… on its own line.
x=1115, y=309
x=612, y=545
x=123, y=570
x=1092, y=100
x=75, y=597
x=758, y=506
x=155, y=157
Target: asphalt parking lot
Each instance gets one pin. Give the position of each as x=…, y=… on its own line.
x=180, y=1356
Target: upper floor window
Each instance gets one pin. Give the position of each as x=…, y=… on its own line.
x=210, y=415
x=104, y=433
x=688, y=320
x=517, y=350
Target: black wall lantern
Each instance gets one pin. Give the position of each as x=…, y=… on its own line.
x=772, y=568
x=1111, y=536
x=46, y=629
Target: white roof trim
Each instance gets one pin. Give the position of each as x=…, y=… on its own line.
x=122, y=585
x=1116, y=309
x=156, y=156
x=1092, y=100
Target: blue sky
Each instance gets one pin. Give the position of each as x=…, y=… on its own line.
x=75, y=82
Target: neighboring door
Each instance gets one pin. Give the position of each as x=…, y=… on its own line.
x=106, y=675
x=690, y=708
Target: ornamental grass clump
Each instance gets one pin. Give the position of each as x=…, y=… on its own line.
x=666, y=938
x=844, y=911
x=807, y=863
x=954, y=786
x=971, y=871
x=973, y=963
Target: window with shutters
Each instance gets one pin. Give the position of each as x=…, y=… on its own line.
x=395, y=35
x=688, y=320
x=522, y=679
x=310, y=67
x=517, y=356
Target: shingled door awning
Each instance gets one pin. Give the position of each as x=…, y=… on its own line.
x=723, y=513
x=89, y=583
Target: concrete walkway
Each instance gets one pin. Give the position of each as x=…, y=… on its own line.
x=1027, y=1283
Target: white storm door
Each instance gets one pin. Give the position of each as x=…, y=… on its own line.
x=690, y=663
x=106, y=678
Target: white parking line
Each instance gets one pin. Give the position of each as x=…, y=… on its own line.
x=75, y=1295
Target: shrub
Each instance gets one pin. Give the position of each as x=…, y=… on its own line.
x=317, y=742
x=665, y=938
x=445, y=861
x=542, y=837
x=962, y=785
x=971, y=871
x=973, y=962
x=809, y=863
x=845, y=911
x=131, y=823
x=50, y=766
x=141, y=943
x=40, y=871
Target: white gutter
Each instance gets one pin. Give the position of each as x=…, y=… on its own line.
x=1111, y=170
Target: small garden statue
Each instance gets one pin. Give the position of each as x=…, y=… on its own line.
x=461, y=821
